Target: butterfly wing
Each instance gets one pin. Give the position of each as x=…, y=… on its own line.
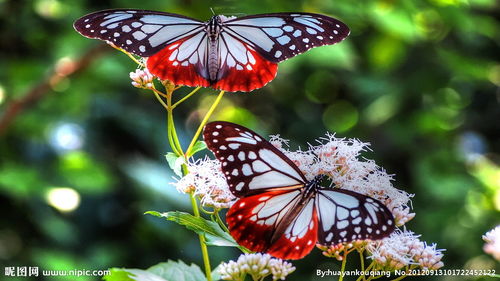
x=139, y=32
x=272, y=214
x=250, y=47
x=268, y=222
x=250, y=163
x=279, y=36
x=176, y=46
x=346, y=216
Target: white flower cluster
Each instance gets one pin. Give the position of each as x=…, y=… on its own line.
x=256, y=265
x=340, y=160
x=142, y=79
x=402, y=249
x=207, y=181
x=492, y=239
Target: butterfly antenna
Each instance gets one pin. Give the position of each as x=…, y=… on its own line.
x=213, y=12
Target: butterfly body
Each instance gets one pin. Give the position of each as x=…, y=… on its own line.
x=279, y=211
x=232, y=54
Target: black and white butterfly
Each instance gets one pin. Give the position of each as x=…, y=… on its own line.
x=232, y=54
x=279, y=211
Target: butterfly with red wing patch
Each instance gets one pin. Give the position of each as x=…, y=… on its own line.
x=279, y=211
x=232, y=54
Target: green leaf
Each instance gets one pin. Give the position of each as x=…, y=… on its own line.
x=175, y=162
x=118, y=274
x=198, y=146
x=165, y=271
x=177, y=271
x=213, y=232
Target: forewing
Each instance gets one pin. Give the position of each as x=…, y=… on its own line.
x=346, y=216
x=254, y=220
x=250, y=163
x=280, y=36
x=241, y=68
x=140, y=32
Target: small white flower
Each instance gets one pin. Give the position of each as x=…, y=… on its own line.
x=142, y=78
x=206, y=179
x=257, y=265
x=492, y=239
x=404, y=248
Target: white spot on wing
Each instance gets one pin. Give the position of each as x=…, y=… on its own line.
x=239, y=186
x=242, y=139
x=252, y=155
x=283, y=40
x=311, y=31
x=264, y=22
x=234, y=145
x=259, y=166
x=150, y=28
x=139, y=35
x=274, y=32
x=246, y=170
x=116, y=18
x=126, y=28
x=271, y=179
x=308, y=23
x=279, y=164
x=241, y=155
x=342, y=213
x=342, y=224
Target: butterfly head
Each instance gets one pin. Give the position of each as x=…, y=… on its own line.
x=213, y=26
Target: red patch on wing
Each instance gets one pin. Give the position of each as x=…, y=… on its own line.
x=160, y=65
x=255, y=235
x=248, y=77
x=295, y=248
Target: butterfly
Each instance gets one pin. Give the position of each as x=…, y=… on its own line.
x=279, y=211
x=227, y=53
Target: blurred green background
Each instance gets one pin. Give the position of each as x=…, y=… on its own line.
x=82, y=154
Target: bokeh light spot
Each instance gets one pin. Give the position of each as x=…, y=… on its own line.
x=381, y=109
x=67, y=137
x=340, y=116
x=50, y=8
x=2, y=94
x=64, y=199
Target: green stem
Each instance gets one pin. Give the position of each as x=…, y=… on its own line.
x=202, y=124
x=203, y=245
x=174, y=135
x=219, y=220
x=170, y=121
x=186, y=97
x=128, y=54
x=342, y=267
x=362, y=260
x=370, y=266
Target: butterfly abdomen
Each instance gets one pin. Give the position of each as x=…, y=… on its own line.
x=213, y=60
